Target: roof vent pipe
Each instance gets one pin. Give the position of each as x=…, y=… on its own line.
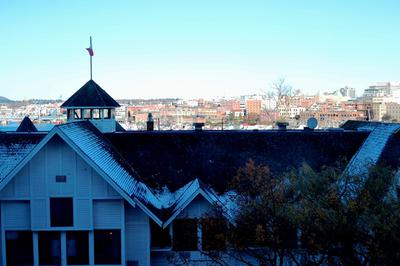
x=198, y=126
x=150, y=122
x=282, y=125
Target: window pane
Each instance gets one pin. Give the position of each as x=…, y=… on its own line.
x=78, y=114
x=49, y=248
x=87, y=113
x=107, y=247
x=96, y=113
x=61, y=212
x=160, y=238
x=112, y=111
x=61, y=178
x=17, y=241
x=77, y=247
x=70, y=113
x=185, y=234
x=106, y=113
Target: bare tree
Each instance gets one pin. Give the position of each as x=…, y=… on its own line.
x=280, y=92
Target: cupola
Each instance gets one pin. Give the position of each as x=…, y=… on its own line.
x=92, y=103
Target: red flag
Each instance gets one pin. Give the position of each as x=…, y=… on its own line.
x=90, y=50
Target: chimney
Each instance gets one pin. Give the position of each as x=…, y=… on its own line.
x=282, y=125
x=198, y=126
x=150, y=122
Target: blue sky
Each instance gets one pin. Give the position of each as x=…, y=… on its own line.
x=152, y=49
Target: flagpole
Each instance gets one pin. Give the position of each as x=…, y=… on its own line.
x=91, y=58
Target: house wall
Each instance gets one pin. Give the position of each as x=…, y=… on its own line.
x=196, y=209
x=25, y=201
x=199, y=207
x=104, y=125
x=137, y=232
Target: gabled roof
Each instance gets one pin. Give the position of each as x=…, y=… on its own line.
x=90, y=95
x=100, y=152
x=87, y=141
x=26, y=126
x=178, y=201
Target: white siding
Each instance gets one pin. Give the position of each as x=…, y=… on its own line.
x=197, y=208
x=82, y=213
x=22, y=183
x=37, y=174
x=137, y=235
x=39, y=214
x=99, y=185
x=8, y=191
x=83, y=180
x=16, y=215
x=107, y=214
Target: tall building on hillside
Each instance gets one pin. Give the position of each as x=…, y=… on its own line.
x=348, y=92
x=383, y=89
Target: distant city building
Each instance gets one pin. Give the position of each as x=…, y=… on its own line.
x=253, y=106
x=383, y=89
x=348, y=92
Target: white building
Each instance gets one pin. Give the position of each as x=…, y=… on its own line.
x=69, y=198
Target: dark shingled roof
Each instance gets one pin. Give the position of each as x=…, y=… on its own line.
x=391, y=153
x=90, y=95
x=357, y=124
x=174, y=158
x=26, y=126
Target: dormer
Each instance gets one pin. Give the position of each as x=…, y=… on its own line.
x=92, y=103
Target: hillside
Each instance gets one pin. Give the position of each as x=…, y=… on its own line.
x=4, y=100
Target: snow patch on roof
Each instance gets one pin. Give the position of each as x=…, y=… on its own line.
x=91, y=142
x=13, y=149
x=371, y=150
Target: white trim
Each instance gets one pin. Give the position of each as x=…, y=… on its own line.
x=35, y=236
x=63, y=239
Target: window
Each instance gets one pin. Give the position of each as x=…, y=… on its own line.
x=77, y=248
x=61, y=178
x=185, y=234
x=61, y=212
x=17, y=241
x=87, y=113
x=160, y=238
x=107, y=247
x=213, y=234
x=49, y=248
x=96, y=114
x=78, y=113
x=70, y=113
x=106, y=113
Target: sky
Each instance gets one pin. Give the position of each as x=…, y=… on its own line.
x=196, y=49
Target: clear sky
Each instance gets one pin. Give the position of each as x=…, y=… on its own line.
x=207, y=48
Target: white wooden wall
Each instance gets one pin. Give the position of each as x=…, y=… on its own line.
x=196, y=209
x=137, y=235
x=25, y=200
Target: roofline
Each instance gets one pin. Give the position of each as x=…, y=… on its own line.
x=87, y=107
x=59, y=132
x=128, y=198
x=198, y=191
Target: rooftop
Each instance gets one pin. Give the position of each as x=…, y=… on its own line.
x=90, y=95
